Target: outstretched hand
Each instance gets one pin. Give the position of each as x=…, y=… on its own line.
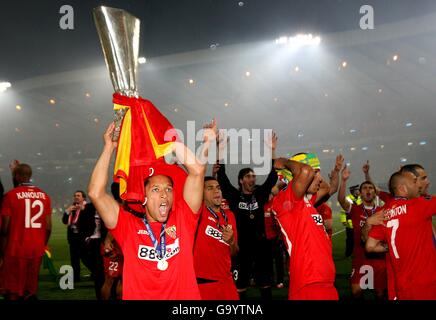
x=228, y=234
x=345, y=173
x=223, y=140
x=377, y=218
x=339, y=162
x=271, y=141
x=216, y=167
x=365, y=167
x=210, y=131
x=107, y=136
x=14, y=163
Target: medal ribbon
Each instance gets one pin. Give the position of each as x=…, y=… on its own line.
x=213, y=213
x=160, y=248
x=366, y=212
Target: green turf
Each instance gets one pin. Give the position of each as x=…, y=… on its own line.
x=49, y=288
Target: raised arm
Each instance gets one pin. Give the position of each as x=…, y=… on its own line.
x=341, y=194
x=194, y=184
x=333, y=184
x=12, y=165
x=303, y=174
x=104, y=202
x=365, y=169
x=334, y=174
x=228, y=190
x=324, y=191
x=271, y=180
x=271, y=143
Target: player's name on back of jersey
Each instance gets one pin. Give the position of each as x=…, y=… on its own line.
x=30, y=195
x=397, y=211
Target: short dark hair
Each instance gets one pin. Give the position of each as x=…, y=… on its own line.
x=209, y=178
x=367, y=182
x=242, y=173
x=148, y=179
x=394, y=180
x=82, y=192
x=23, y=172
x=412, y=168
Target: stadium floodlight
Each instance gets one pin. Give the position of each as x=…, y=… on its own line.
x=4, y=86
x=300, y=40
x=142, y=60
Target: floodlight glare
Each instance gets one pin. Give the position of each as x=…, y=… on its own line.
x=300, y=40
x=4, y=86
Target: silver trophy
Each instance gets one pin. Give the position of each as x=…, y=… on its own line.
x=118, y=31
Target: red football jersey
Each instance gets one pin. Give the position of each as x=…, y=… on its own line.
x=142, y=280
x=113, y=260
x=211, y=254
x=27, y=206
x=326, y=213
x=309, y=247
x=272, y=230
x=358, y=215
x=384, y=196
x=408, y=233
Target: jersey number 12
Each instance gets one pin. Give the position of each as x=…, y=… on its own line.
x=29, y=220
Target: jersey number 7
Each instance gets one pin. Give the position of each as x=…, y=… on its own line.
x=394, y=224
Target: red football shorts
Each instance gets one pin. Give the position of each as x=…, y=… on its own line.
x=427, y=292
x=219, y=290
x=316, y=291
x=1, y=280
x=20, y=275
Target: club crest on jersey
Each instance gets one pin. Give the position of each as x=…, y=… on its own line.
x=171, y=231
x=307, y=201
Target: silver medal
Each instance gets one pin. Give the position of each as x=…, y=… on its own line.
x=251, y=216
x=162, y=265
